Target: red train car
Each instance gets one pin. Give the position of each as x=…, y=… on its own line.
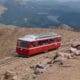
x=34, y=44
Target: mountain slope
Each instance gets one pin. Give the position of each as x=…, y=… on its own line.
x=23, y=67
x=9, y=35
x=40, y=13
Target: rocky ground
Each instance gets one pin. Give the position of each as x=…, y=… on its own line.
x=23, y=68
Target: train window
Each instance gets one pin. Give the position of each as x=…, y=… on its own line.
x=51, y=41
x=22, y=44
x=33, y=44
x=40, y=43
x=58, y=39
x=44, y=42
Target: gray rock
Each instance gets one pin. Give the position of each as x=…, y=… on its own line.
x=10, y=75
x=76, y=44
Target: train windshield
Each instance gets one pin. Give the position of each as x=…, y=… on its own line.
x=22, y=44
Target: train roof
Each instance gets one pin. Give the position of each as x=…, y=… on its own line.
x=35, y=37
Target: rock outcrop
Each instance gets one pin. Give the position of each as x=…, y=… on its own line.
x=65, y=27
x=76, y=44
x=9, y=75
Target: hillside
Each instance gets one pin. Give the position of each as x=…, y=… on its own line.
x=8, y=39
x=41, y=13
x=9, y=35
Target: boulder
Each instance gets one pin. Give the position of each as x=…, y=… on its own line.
x=74, y=51
x=76, y=45
x=62, y=54
x=40, y=67
x=60, y=57
x=38, y=71
x=9, y=75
